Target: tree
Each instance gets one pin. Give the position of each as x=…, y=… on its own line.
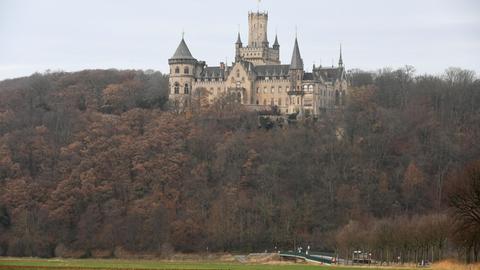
x=464, y=201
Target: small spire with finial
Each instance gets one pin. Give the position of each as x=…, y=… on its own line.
x=340, y=60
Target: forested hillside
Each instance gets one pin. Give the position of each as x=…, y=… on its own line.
x=94, y=163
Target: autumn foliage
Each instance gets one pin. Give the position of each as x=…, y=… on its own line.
x=96, y=163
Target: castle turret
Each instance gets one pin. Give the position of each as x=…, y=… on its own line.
x=238, y=46
x=296, y=76
x=182, y=68
x=296, y=68
x=276, y=45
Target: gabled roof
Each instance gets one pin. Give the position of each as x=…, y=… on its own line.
x=329, y=74
x=297, y=62
x=182, y=52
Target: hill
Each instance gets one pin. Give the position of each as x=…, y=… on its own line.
x=93, y=163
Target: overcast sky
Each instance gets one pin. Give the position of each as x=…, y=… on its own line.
x=142, y=34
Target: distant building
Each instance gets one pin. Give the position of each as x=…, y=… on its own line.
x=257, y=78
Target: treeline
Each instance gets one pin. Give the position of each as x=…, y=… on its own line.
x=95, y=163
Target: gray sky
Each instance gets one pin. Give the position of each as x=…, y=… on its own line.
x=142, y=34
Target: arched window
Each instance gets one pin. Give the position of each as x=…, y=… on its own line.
x=186, y=90
x=272, y=102
x=239, y=97
x=305, y=88
x=273, y=89
x=298, y=100
x=337, y=98
x=177, y=70
x=264, y=101
x=279, y=102
x=186, y=70
x=176, y=88
x=310, y=88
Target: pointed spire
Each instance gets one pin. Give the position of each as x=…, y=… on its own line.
x=297, y=62
x=340, y=60
x=276, y=44
x=239, y=39
x=182, y=51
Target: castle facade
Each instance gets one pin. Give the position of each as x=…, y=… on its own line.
x=257, y=79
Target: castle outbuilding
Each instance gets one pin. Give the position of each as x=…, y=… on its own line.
x=257, y=79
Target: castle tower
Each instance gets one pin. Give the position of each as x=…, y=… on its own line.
x=257, y=25
x=296, y=68
x=296, y=77
x=182, y=70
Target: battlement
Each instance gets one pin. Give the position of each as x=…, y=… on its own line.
x=258, y=13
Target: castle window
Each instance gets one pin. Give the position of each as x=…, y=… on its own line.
x=186, y=70
x=310, y=88
x=298, y=100
x=265, y=90
x=239, y=97
x=238, y=73
x=258, y=90
x=257, y=101
x=273, y=89
x=279, y=89
x=279, y=102
x=337, y=98
x=264, y=102
x=272, y=102
x=239, y=84
x=176, y=88
x=177, y=70
x=186, y=89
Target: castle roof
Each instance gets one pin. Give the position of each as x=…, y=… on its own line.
x=182, y=52
x=307, y=76
x=297, y=62
x=329, y=74
x=272, y=70
x=213, y=72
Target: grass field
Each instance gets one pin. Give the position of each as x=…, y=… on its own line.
x=85, y=264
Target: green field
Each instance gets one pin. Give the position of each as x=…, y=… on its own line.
x=84, y=264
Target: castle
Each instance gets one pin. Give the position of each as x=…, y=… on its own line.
x=257, y=79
